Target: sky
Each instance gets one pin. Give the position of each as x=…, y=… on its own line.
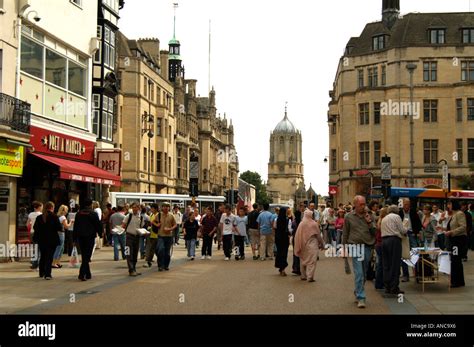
x=265, y=53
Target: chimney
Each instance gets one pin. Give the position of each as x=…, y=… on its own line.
x=390, y=12
x=164, y=55
x=151, y=46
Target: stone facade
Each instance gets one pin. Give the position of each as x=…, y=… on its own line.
x=370, y=102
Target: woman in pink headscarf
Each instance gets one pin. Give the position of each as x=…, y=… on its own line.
x=307, y=243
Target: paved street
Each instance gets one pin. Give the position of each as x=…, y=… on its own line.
x=213, y=287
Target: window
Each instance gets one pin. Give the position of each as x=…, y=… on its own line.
x=333, y=160
x=55, y=69
x=145, y=87
x=378, y=42
x=459, y=113
x=361, y=78
x=31, y=57
x=165, y=165
x=377, y=112
x=430, y=148
x=364, y=117
x=178, y=163
x=107, y=118
x=470, y=109
x=109, y=47
x=145, y=159
x=470, y=151
x=158, y=162
x=158, y=127
x=169, y=134
x=384, y=75
x=169, y=165
x=467, y=70
x=95, y=113
x=152, y=161
x=430, y=71
x=333, y=128
x=459, y=151
x=152, y=91
x=430, y=111
x=468, y=35
x=364, y=154
x=77, y=79
x=437, y=36
x=373, y=76
x=377, y=153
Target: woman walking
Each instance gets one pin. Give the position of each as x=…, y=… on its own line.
x=62, y=213
x=46, y=235
x=282, y=242
x=308, y=241
x=190, y=231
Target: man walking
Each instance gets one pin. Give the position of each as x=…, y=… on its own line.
x=178, y=216
x=117, y=220
x=209, y=225
x=265, y=228
x=165, y=237
x=359, y=233
x=253, y=231
x=87, y=227
x=132, y=222
x=152, y=241
x=228, y=227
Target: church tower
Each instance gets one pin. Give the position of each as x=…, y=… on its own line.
x=175, y=60
x=285, y=167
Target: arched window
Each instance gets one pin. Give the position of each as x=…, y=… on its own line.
x=282, y=141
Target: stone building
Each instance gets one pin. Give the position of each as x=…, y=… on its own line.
x=285, y=167
x=147, y=124
x=370, y=107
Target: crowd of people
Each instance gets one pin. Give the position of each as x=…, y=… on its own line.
x=381, y=230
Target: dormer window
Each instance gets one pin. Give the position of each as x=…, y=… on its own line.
x=379, y=42
x=437, y=36
x=468, y=35
x=349, y=50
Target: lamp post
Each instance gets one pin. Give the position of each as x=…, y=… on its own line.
x=148, y=124
x=411, y=69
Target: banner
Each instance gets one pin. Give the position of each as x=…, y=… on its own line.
x=11, y=159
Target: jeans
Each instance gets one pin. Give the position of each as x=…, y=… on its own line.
x=338, y=236
x=332, y=234
x=379, y=268
x=207, y=245
x=360, y=270
x=119, y=239
x=227, y=240
x=191, y=247
x=87, y=245
x=35, y=259
x=164, y=246
x=142, y=246
x=239, y=244
x=60, y=248
x=133, y=245
x=176, y=234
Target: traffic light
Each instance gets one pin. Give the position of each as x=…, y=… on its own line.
x=235, y=197
x=227, y=196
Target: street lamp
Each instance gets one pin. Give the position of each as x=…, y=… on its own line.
x=148, y=122
x=411, y=69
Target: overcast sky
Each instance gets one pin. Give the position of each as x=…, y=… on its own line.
x=264, y=53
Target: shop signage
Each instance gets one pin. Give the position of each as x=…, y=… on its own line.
x=333, y=190
x=11, y=159
x=110, y=161
x=53, y=143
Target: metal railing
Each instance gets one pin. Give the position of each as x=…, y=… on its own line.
x=15, y=113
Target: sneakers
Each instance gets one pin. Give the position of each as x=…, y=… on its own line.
x=209, y=257
x=48, y=278
x=147, y=265
x=262, y=259
x=226, y=258
x=361, y=304
x=133, y=274
x=192, y=258
x=203, y=257
x=255, y=257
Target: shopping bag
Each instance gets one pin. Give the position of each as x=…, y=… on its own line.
x=405, y=247
x=74, y=261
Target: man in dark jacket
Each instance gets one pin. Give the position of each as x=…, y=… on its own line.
x=411, y=221
x=86, y=228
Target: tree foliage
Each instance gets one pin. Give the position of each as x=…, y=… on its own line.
x=255, y=179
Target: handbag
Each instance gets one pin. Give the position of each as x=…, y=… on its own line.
x=405, y=247
x=74, y=262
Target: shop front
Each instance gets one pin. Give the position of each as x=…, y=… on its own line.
x=59, y=168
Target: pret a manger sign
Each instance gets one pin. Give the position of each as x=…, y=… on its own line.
x=61, y=145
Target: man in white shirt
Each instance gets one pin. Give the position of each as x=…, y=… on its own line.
x=228, y=224
x=178, y=216
x=131, y=223
x=38, y=211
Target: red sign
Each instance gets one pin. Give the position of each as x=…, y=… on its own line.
x=60, y=145
x=333, y=190
x=463, y=194
x=362, y=172
x=88, y=179
x=110, y=161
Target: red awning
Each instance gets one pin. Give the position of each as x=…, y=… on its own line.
x=79, y=171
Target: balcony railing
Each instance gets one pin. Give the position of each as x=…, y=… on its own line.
x=15, y=113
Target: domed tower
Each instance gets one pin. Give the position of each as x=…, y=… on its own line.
x=175, y=60
x=285, y=168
